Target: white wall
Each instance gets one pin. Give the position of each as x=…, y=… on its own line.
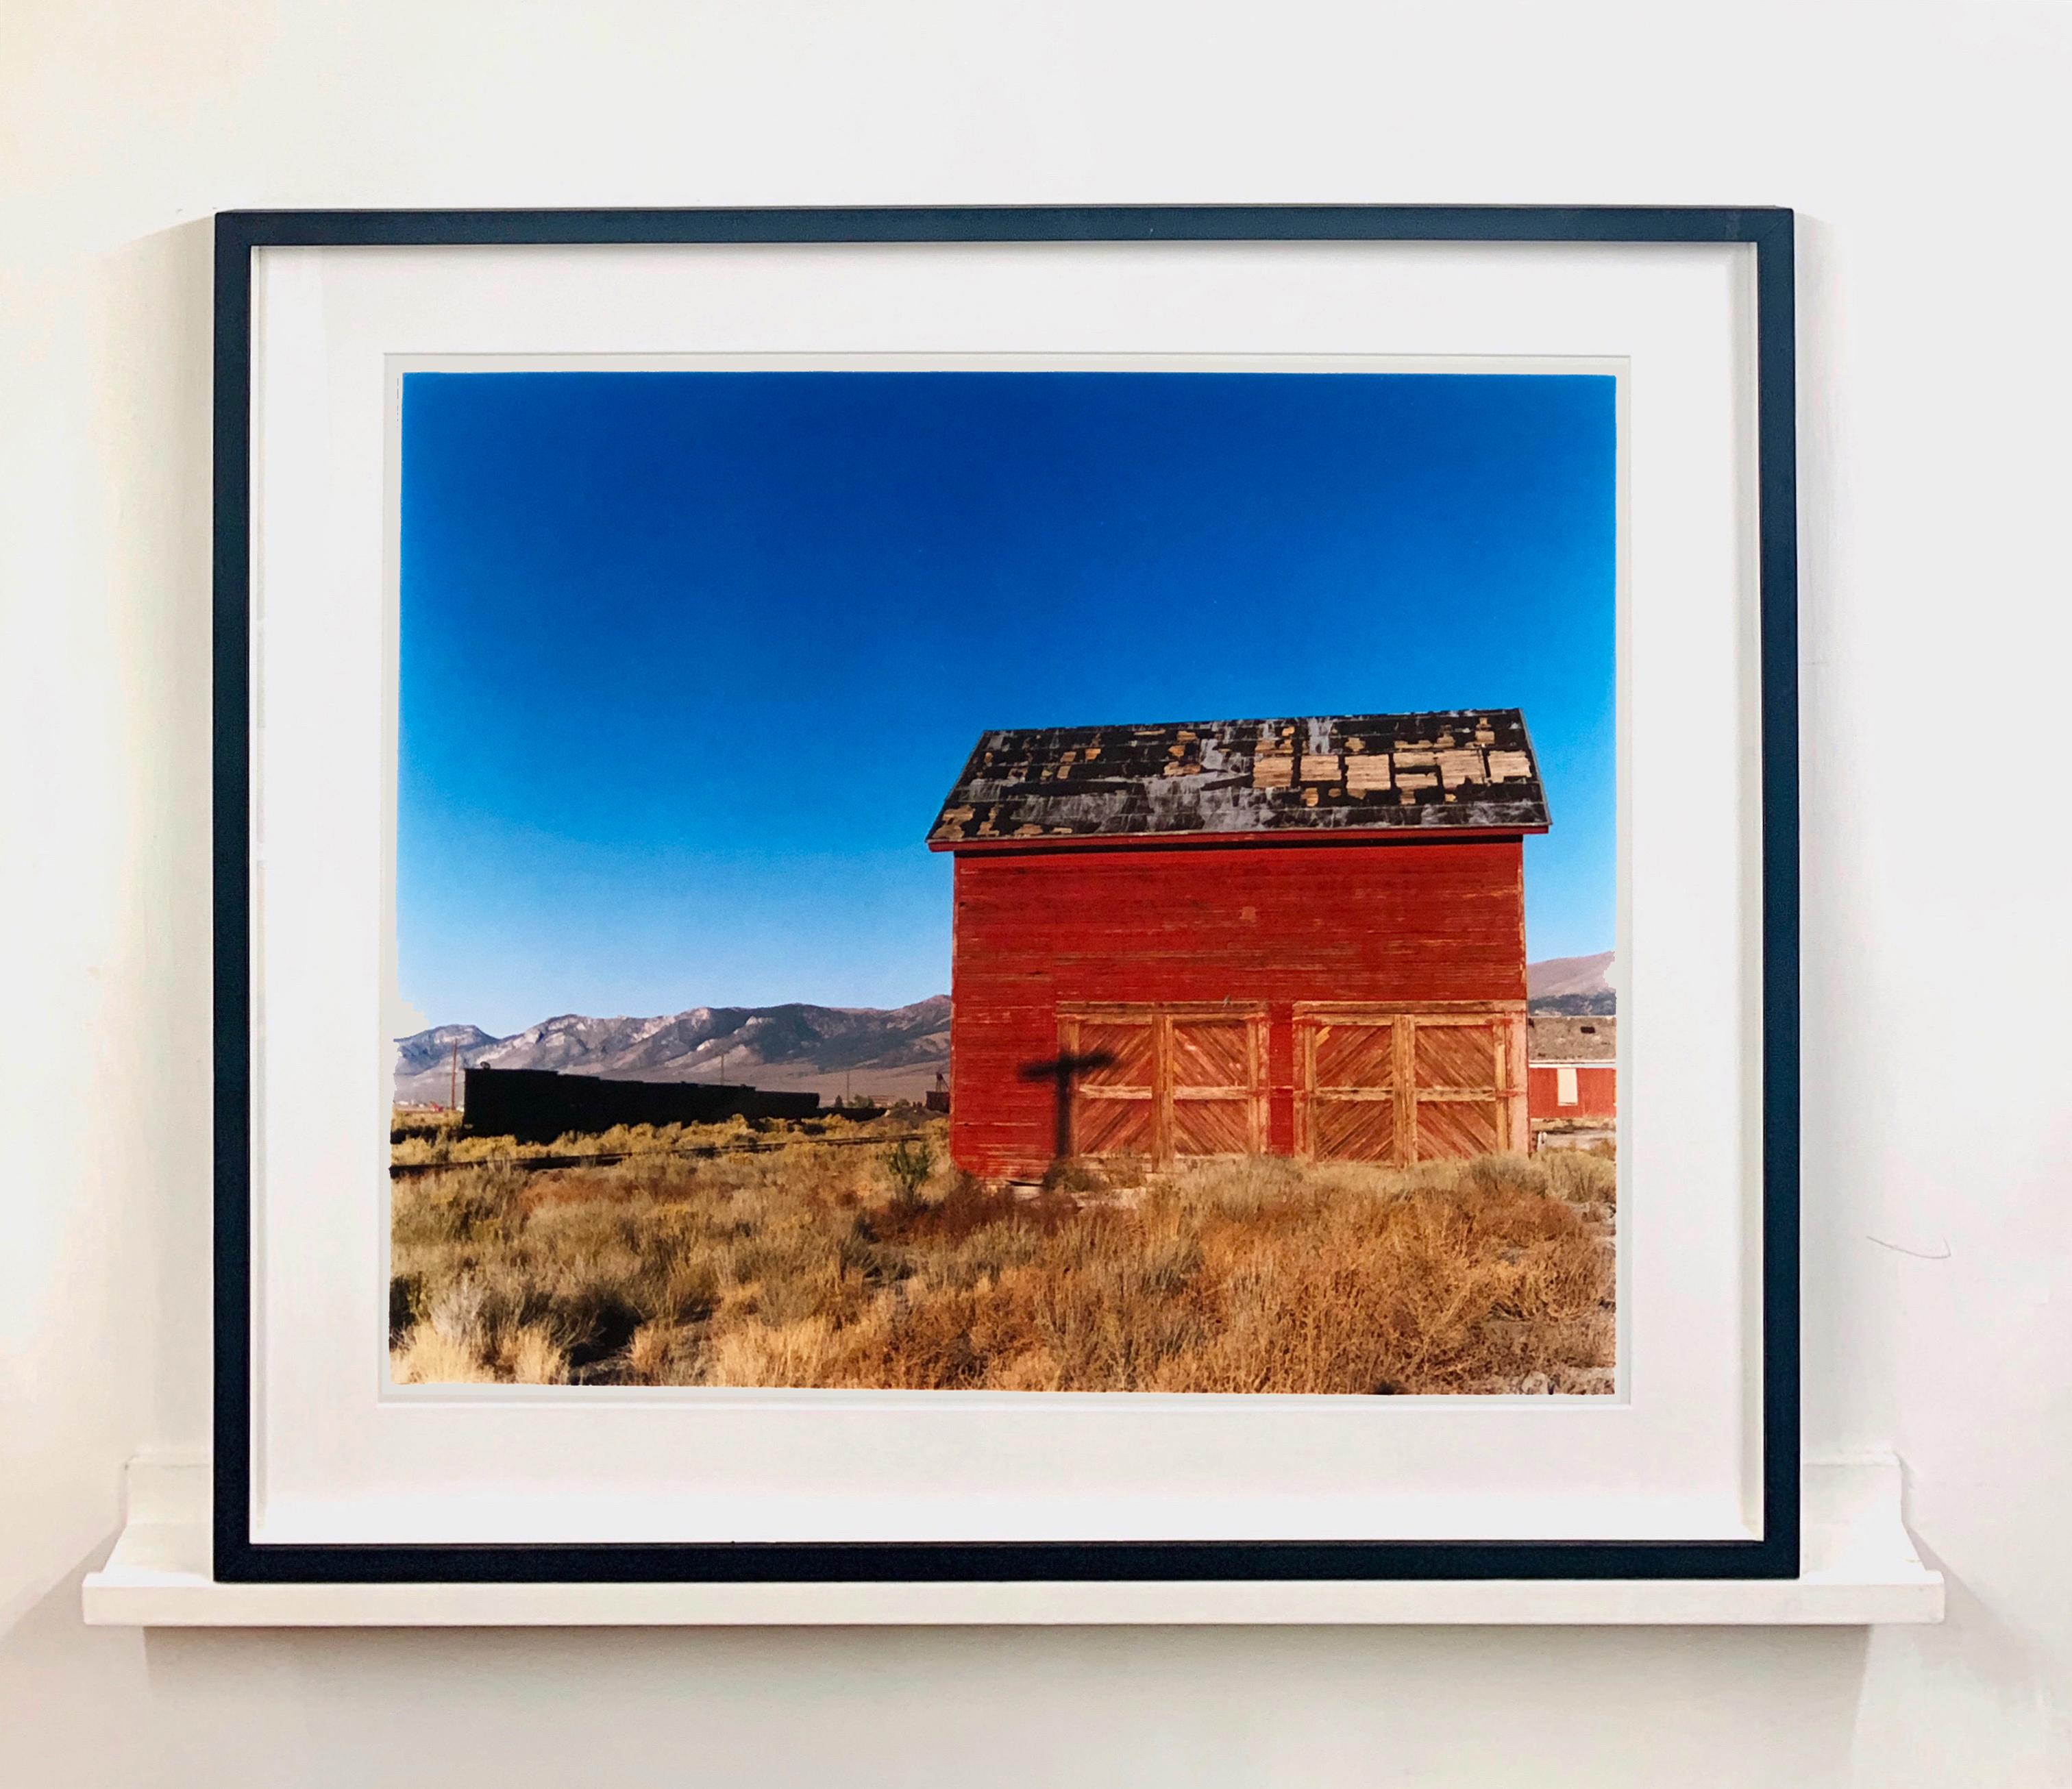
x=1926, y=149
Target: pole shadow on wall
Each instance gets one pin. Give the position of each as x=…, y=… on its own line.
x=1061, y=1071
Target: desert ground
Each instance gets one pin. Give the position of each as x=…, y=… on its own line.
x=855, y=1255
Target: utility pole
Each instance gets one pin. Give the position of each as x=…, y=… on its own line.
x=453, y=1083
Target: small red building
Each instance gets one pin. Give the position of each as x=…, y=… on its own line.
x=1299, y=937
x=1572, y=1080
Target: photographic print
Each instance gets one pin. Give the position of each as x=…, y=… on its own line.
x=1014, y=879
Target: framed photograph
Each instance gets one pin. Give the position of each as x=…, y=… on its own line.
x=1026, y=893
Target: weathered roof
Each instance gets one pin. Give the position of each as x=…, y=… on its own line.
x=1463, y=768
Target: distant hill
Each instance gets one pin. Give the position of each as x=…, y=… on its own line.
x=434, y=1049
x=825, y=1049
x=829, y=1051
x=1574, y=985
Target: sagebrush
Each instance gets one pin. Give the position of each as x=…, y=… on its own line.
x=884, y=1267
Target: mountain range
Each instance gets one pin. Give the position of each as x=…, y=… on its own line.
x=830, y=1051
x=1572, y=984
x=825, y=1050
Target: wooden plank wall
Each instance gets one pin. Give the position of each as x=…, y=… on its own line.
x=1413, y=921
x=1596, y=1090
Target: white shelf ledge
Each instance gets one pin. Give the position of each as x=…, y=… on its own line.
x=1859, y=1569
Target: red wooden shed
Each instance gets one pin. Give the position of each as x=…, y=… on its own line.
x=1300, y=937
x=1572, y=1078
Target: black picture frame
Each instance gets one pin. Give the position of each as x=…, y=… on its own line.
x=238, y=1559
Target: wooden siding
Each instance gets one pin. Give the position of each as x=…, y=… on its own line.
x=1165, y=1082
x=1597, y=1091
x=1045, y=939
x=1393, y=1086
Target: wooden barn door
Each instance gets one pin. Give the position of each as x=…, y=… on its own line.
x=1399, y=1086
x=1216, y=1082
x=1353, y=1096
x=1167, y=1082
x=1114, y=1092
x=1464, y=1086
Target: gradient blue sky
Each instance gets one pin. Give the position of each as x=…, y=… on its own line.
x=689, y=659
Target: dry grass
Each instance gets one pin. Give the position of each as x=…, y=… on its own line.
x=422, y=1138
x=814, y=1266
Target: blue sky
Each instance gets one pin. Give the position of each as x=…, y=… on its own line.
x=689, y=659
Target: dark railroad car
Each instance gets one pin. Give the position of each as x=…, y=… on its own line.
x=1300, y=937
x=536, y=1105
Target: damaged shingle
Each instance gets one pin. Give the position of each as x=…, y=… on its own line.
x=1331, y=773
